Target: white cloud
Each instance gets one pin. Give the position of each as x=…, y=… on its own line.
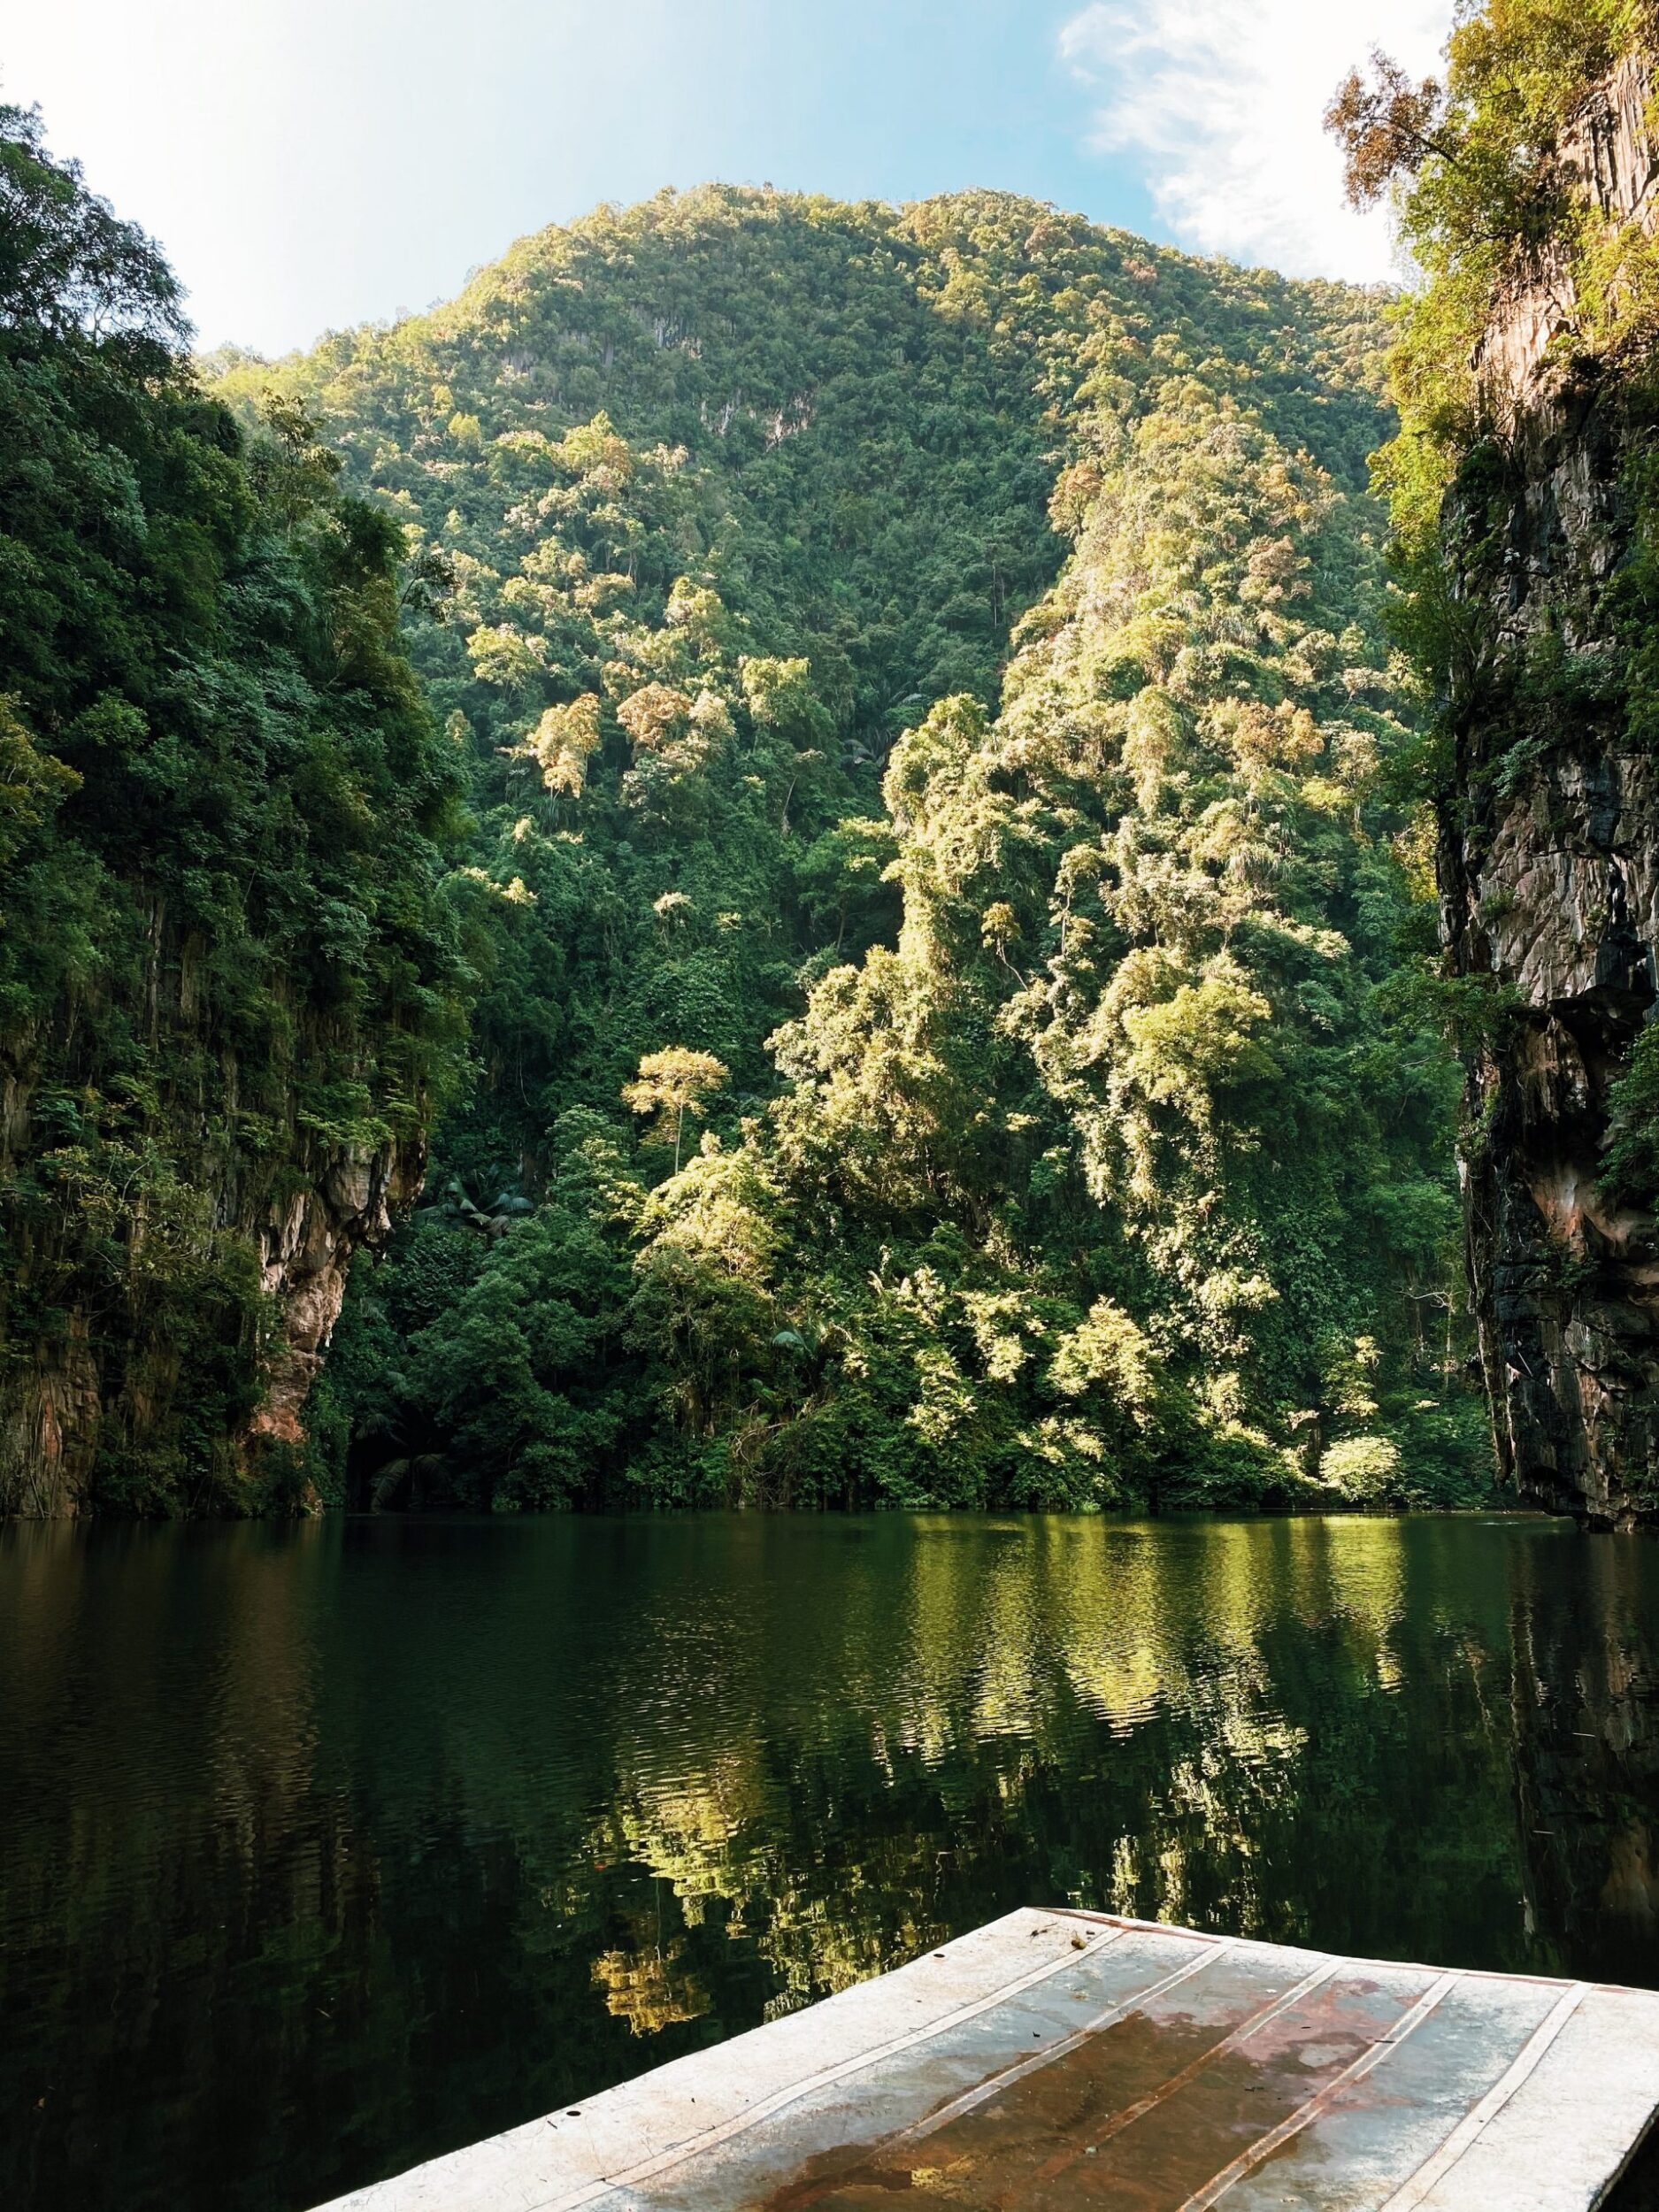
x=1220, y=102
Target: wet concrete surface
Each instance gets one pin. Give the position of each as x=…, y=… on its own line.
x=1055, y=2061
x=1142, y=2116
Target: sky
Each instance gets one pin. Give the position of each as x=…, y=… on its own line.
x=312, y=164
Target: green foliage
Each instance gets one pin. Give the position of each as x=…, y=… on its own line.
x=1018, y=941
x=1491, y=201
x=1002, y=949
x=1488, y=203
x=1363, y=1467
x=225, y=970
x=673, y=1083
x=1632, y=1159
x=1501, y=199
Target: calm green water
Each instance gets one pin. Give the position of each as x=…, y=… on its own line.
x=325, y=1849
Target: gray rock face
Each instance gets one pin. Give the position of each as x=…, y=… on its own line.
x=1549, y=878
x=82, y=1393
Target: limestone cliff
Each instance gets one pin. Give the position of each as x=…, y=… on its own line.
x=230, y=982
x=262, y=1247
x=1549, y=871
x=306, y=1247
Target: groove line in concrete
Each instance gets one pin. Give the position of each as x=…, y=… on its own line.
x=764, y=2107
x=1264, y=2017
x=1474, y=2124
x=1294, y=2123
x=1121, y=2011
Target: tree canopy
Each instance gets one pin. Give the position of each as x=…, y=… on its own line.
x=227, y=968
x=928, y=665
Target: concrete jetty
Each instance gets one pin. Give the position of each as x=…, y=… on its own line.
x=1054, y=2060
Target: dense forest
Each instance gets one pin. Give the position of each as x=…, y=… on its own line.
x=943, y=914
x=228, y=981
x=847, y=766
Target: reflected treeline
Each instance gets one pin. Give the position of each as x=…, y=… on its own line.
x=413, y=1829
x=1585, y=1729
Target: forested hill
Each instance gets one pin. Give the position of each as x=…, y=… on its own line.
x=944, y=1031
x=229, y=988
x=867, y=406
x=936, y=900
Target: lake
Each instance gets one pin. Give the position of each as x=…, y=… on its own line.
x=325, y=1848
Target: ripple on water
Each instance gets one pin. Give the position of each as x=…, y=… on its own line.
x=416, y=1828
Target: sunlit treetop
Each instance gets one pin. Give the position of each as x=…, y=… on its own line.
x=1485, y=191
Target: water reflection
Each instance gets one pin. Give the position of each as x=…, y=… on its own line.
x=327, y=1848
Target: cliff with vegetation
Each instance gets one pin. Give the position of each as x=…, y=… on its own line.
x=838, y=769
x=229, y=983
x=1524, y=484
x=945, y=913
